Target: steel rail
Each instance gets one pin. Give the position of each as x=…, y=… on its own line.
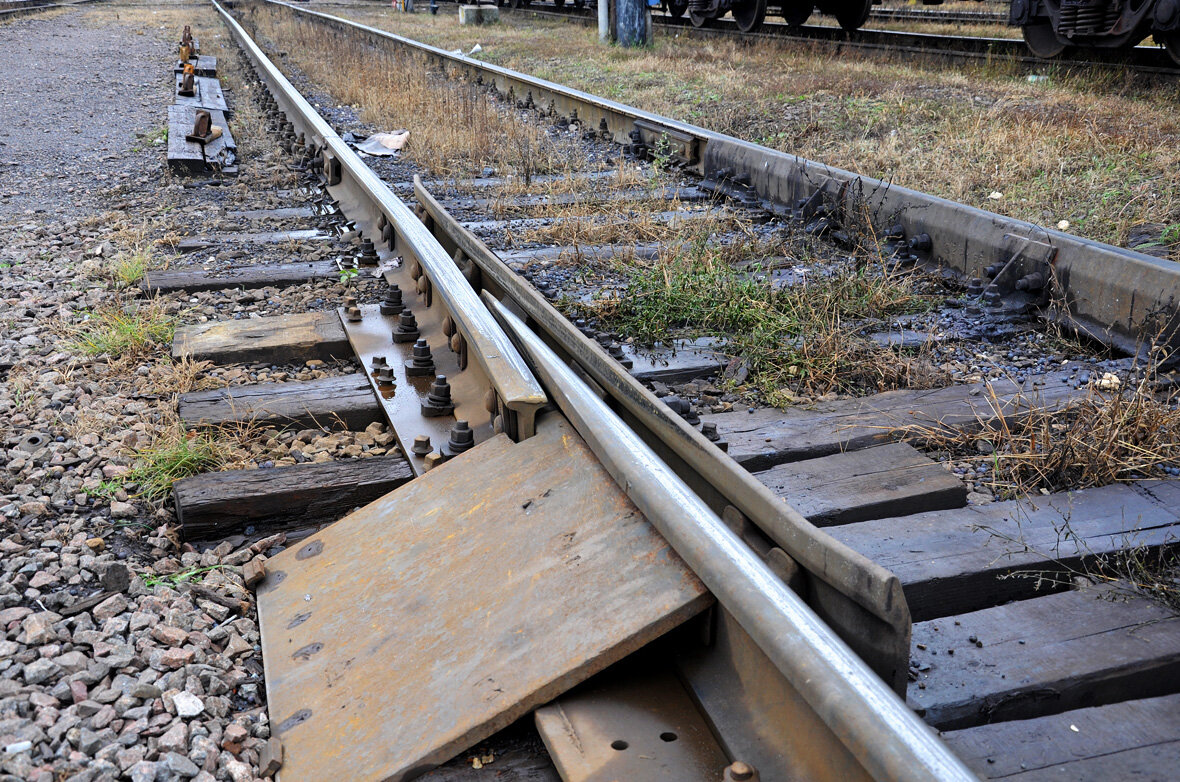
x=884, y=735
x=1118, y=296
x=14, y=10
x=487, y=342
x=714, y=476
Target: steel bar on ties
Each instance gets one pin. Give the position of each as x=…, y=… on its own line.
x=888, y=739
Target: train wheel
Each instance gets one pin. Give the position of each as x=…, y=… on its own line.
x=559, y=4
x=698, y=20
x=750, y=15
x=579, y=4
x=1171, y=42
x=796, y=15
x=676, y=8
x=1041, y=40
x=852, y=14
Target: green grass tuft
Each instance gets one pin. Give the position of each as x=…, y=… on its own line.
x=131, y=331
x=173, y=458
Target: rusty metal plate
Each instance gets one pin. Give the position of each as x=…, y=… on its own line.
x=635, y=721
x=437, y=615
x=371, y=338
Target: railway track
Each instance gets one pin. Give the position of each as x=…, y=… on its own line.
x=813, y=570
x=14, y=8
x=1144, y=59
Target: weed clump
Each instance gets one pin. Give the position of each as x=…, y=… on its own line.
x=176, y=455
x=124, y=332
x=127, y=269
x=800, y=338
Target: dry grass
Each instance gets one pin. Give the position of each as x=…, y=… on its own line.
x=653, y=221
x=1100, y=150
x=1109, y=435
x=456, y=129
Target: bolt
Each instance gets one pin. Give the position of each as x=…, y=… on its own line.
x=392, y=305
x=353, y=314
x=433, y=460
x=921, y=243
x=975, y=287
x=462, y=438
x=421, y=364
x=368, y=254
x=1031, y=282
x=709, y=430
x=438, y=402
x=379, y=362
x=407, y=327
x=384, y=376
x=421, y=445
x=740, y=772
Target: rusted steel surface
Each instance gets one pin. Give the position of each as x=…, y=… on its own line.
x=633, y=722
x=1112, y=293
x=861, y=600
x=449, y=608
x=402, y=399
x=871, y=722
x=395, y=232
x=758, y=715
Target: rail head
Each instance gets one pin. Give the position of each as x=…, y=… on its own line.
x=482, y=337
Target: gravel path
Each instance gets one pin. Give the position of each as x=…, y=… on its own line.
x=124, y=654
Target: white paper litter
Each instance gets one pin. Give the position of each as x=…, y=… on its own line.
x=384, y=144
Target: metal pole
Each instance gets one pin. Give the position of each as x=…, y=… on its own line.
x=869, y=718
x=604, y=21
x=631, y=22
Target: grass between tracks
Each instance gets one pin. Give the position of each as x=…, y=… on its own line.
x=800, y=339
x=1116, y=432
x=1097, y=149
x=456, y=129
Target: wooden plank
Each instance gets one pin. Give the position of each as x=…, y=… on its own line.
x=888, y=480
x=950, y=562
x=1133, y=740
x=1044, y=656
x=258, y=276
x=192, y=157
x=342, y=402
x=216, y=504
x=208, y=94
x=767, y=437
x=275, y=340
x=423, y=623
